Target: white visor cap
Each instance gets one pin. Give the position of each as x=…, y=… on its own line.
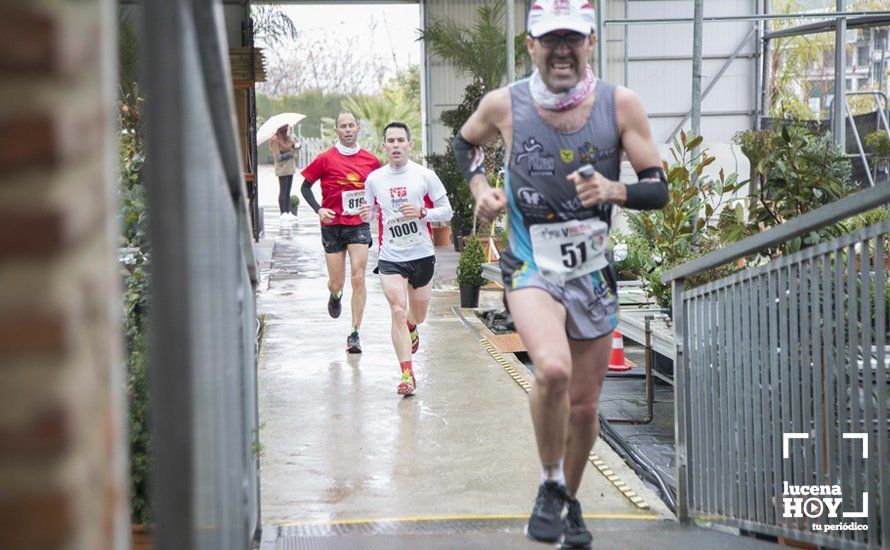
x=553, y=15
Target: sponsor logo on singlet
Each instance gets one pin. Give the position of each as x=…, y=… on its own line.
x=352, y=179
x=591, y=155
x=537, y=161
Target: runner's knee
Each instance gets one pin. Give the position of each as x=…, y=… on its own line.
x=584, y=412
x=399, y=315
x=358, y=280
x=552, y=374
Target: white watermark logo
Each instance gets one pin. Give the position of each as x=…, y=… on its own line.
x=821, y=501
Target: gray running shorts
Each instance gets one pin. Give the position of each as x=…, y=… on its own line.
x=591, y=305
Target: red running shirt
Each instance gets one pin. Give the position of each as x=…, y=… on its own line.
x=339, y=173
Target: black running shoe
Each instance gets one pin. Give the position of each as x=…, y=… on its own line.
x=545, y=523
x=334, y=305
x=353, y=344
x=574, y=530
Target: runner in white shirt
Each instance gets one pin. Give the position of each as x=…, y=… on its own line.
x=407, y=260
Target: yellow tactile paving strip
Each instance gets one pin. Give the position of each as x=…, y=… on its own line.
x=603, y=468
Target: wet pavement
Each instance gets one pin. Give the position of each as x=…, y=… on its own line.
x=338, y=443
x=340, y=448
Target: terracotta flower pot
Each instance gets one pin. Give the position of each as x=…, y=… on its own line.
x=442, y=236
x=141, y=537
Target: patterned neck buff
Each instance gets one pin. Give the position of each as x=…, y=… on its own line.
x=565, y=100
x=348, y=151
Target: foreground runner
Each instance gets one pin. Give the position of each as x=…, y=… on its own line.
x=559, y=282
x=407, y=258
x=342, y=170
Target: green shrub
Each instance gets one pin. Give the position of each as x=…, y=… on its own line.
x=469, y=266
x=134, y=238
x=801, y=172
x=687, y=227
x=445, y=166
x=879, y=143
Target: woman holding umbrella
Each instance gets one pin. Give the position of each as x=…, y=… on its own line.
x=284, y=149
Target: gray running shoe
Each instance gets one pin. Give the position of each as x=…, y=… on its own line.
x=545, y=523
x=575, y=533
x=334, y=305
x=353, y=344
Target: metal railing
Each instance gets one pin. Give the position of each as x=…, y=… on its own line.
x=781, y=382
x=311, y=148
x=880, y=117
x=203, y=356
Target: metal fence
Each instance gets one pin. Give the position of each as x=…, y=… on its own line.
x=310, y=149
x=203, y=356
x=782, y=384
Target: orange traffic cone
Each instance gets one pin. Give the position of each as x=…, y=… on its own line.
x=616, y=360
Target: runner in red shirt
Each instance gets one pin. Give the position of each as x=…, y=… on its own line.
x=342, y=170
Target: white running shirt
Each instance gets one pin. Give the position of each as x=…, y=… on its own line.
x=387, y=189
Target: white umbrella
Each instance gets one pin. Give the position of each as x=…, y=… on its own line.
x=267, y=130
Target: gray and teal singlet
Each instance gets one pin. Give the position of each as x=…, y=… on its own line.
x=538, y=193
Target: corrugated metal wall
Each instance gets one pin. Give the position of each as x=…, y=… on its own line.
x=659, y=64
x=444, y=86
x=654, y=60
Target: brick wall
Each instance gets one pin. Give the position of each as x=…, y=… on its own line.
x=62, y=418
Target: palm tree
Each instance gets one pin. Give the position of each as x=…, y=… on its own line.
x=480, y=51
x=375, y=112
x=271, y=26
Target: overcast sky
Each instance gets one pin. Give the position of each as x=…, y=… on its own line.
x=386, y=30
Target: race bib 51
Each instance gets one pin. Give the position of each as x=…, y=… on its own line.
x=571, y=249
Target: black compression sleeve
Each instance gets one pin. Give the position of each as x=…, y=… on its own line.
x=470, y=158
x=306, y=191
x=651, y=193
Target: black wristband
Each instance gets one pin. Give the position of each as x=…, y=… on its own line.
x=650, y=193
x=470, y=158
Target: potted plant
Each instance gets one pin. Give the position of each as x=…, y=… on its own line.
x=294, y=204
x=469, y=272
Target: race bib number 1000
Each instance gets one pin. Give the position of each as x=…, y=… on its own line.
x=403, y=234
x=571, y=249
x=352, y=200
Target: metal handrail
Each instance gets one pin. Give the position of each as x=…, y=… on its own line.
x=735, y=18
x=859, y=147
x=811, y=221
x=881, y=117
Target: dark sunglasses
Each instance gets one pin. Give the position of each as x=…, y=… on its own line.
x=551, y=41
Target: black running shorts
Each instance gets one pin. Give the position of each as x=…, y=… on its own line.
x=335, y=238
x=418, y=272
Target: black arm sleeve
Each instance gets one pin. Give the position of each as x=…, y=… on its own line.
x=306, y=191
x=651, y=193
x=470, y=158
